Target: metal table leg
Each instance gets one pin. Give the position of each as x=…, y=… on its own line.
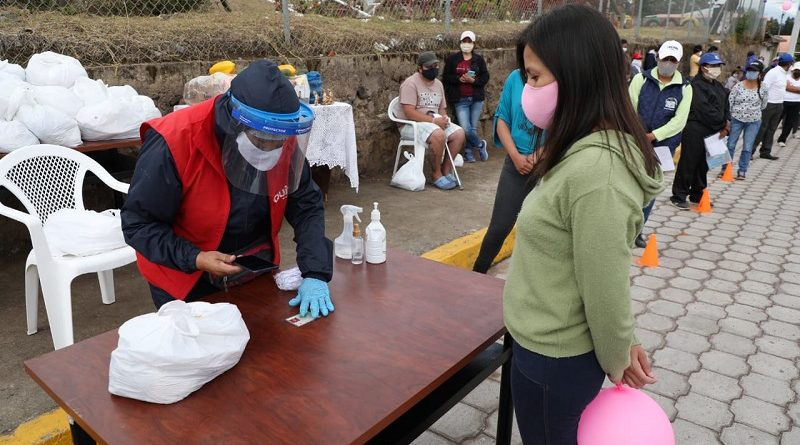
x=505, y=416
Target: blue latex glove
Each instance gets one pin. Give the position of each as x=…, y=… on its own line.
x=314, y=293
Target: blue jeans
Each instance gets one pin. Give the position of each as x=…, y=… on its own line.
x=468, y=112
x=550, y=394
x=750, y=131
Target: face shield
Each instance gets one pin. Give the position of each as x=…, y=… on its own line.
x=263, y=142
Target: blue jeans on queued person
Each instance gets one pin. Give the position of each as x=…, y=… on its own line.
x=550, y=394
x=750, y=131
x=468, y=113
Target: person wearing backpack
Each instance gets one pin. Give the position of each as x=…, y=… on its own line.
x=662, y=98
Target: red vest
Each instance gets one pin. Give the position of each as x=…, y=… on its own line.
x=206, y=204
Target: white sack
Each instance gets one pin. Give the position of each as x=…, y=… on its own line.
x=115, y=118
x=83, y=232
x=49, y=68
x=12, y=69
x=14, y=135
x=90, y=91
x=60, y=98
x=48, y=124
x=122, y=91
x=410, y=175
x=163, y=357
x=11, y=94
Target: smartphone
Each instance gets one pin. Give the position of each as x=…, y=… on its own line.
x=255, y=264
x=471, y=73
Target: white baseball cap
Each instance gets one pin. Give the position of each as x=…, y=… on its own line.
x=796, y=66
x=671, y=48
x=466, y=34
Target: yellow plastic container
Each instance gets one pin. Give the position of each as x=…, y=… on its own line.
x=287, y=70
x=226, y=67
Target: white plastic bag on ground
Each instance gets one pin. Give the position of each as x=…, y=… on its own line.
x=83, y=232
x=60, y=98
x=410, y=175
x=14, y=135
x=163, y=357
x=115, y=118
x=48, y=124
x=90, y=91
x=12, y=69
x=49, y=68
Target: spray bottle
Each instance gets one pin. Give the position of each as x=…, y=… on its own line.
x=343, y=244
x=376, y=238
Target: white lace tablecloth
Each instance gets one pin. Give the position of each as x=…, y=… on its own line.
x=332, y=140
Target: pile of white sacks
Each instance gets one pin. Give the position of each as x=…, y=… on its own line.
x=53, y=101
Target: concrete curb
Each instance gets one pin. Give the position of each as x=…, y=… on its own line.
x=52, y=429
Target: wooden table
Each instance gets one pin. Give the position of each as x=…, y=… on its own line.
x=113, y=144
x=408, y=339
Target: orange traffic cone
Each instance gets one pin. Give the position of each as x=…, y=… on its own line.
x=705, y=203
x=728, y=175
x=650, y=256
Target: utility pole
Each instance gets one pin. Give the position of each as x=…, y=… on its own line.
x=637, y=31
x=666, y=25
x=795, y=31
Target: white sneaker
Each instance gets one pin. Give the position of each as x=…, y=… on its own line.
x=781, y=144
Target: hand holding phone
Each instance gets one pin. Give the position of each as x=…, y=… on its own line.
x=255, y=264
x=471, y=73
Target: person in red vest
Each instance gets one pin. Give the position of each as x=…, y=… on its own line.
x=214, y=181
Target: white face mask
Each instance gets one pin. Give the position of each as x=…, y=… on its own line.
x=624, y=49
x=713, y=72
x=260, y=159
x=467, y=47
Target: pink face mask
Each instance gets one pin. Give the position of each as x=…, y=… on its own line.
x=539, y=104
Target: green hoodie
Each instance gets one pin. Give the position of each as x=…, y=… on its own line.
x=568, y=288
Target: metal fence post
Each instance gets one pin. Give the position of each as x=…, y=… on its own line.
x=690, y=28
x=637, y=30
x=447, y=16
x=666, y=23
x=287, y=35
x=539, y=8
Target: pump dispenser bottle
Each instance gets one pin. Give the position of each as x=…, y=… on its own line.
x=358, y=246
x=343, y=244
x=376, y=238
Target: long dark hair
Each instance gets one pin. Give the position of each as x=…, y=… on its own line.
x=581, y=48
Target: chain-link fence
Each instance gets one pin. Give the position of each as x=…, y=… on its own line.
x=101, y=32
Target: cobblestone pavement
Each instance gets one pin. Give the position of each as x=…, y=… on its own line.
x=720, y=317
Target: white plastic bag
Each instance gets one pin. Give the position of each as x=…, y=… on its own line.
x=12, y=69
x=11, y=93
x=163, y=357
x=122, y=91
x=60, y=98
x=90, y=91
x=115, y=118
x=410, y=175
x=48, y=124
x=49, y=68
x=83, y=232
x=14, y=135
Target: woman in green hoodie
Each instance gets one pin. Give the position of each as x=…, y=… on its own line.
x=567, y=298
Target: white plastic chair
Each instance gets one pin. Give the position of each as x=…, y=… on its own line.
x=47, y=178
x=419, y=146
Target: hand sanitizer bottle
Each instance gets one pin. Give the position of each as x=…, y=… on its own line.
x=376, y=238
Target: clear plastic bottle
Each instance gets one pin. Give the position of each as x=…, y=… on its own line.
x=358, y=245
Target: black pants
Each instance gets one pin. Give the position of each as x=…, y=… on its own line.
x=200, y=290
x=770, y=118
x=512, y=188
x=791, y=111
x=690, y=175
x=550, y=394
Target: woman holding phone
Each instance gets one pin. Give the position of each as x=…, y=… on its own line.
x=566, y=301
x=465, y=76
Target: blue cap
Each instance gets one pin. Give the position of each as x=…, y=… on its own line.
x=785, y=58
x=711, y=59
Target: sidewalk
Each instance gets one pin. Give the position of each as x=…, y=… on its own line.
x=720, y=317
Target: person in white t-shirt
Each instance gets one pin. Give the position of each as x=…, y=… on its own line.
x=775, y=82
x=791, y=105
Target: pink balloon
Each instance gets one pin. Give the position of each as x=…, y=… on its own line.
x=787, y=5
x=624, y=416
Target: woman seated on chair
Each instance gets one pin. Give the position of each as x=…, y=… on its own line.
x=422, y=100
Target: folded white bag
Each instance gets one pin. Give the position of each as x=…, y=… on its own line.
x=83, y=232
x=163, y=357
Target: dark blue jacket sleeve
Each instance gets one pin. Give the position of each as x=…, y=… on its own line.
x=153, y=201
x=306, y=214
